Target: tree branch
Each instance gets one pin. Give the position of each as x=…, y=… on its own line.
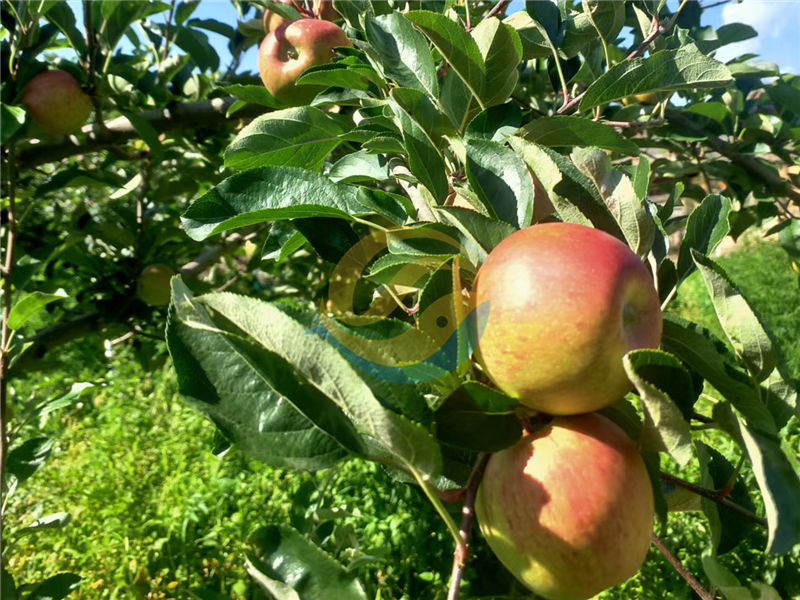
x=500, y=6
x=749, y=163
x=462, y=550
x=716, y=496
x=119, y=130
x=673, y=560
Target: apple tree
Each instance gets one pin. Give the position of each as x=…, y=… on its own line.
x=333, y=222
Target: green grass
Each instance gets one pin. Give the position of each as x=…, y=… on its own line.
x=156, y=514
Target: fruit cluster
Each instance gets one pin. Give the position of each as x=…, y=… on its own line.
x=569, y=509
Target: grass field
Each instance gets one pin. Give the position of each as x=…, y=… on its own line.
x=155, y=514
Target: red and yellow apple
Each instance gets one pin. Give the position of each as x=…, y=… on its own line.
x=291, y=49
x=323, y=9
x=153, y=285
x=56, y=102
x=273, y=20
x=569, y=509
x=561, y=304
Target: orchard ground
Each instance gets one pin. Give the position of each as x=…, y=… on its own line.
x=156, y=514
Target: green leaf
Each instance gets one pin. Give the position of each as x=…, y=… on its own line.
x=196, y=44
x=500, y=179
x=496, y=123
x=753, y=68
x=322, y=366
x=282, y=241
x=668, y=70
x=548, y=175
x=404, y=53
x=394, y=207
x=456, y=100
x=424, y=112
x=665, y=211
x=28, y=304
x=501, y=48
x=61, y=16
x=24, y=460
x=240, y=384
x=708, y=356
x=11, y=119
x=296, y=137
x=778, y=481
x=359, y=167
x=787, y=96
x=330, y=238
x=424, y=160
x=665, y=427
x=706, y=227
x=566, y=131
x=457, y=47
x=548, y=17
x=607, y=16
x=343, y=75
x=478, y=418
x=288, y=566
x=56, y=587
x=268, y=194
x=738, y=319
x=728, y=528
x=148, y=133
x=256, y=94
x=57, y=520
x=617, y=191
x=532, y=35
x=641, y=177
x=215, y=26
x=487, y=233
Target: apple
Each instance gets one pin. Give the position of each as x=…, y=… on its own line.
x=291, y=49
x=560, y=304
x=646, y=98
x=153, y=286
x=323, y=9
x=569, y=509
x=273, y=20
x=56, y=102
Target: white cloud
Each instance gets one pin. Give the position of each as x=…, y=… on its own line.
x=770, y=18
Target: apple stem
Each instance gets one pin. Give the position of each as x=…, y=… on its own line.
x=673, y=560
x=461, y=553
x=716, y=496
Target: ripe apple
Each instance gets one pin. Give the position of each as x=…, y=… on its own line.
x=323, y=9
x=565, y=303
x=569, y=509
x=291, y=49
x=273, y=20
x=153, y=286
x=56, y=102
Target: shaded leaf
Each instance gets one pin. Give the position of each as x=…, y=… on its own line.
x=706, y=227
x=566, y=131
x=28, y=304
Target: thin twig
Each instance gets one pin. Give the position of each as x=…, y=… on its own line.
x=461, y=553
x=500, y=6
x=91, y=43
x=715, y=496
x=469, y=19
x=166, y=31
x=633, y=124
x=8, y=273
x=716, y=4
x=673, y=560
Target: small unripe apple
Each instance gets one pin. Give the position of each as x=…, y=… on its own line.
x=562, y=304
x=153, y=286
x=291, y=49
x=646, y=98
x=273, y=20
x=56, y=102
x=569, y=509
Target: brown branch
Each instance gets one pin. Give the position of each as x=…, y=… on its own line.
x=119, y=130
x=500, y=6
x=715, y=496
x=8, y=272
x=462, y=550
x=166, y=30
x=673, y=560
x=91, y=43
x=210, y=255
x=633, y=124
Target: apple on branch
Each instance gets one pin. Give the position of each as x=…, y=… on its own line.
x=153, y=285
x=569, y=509
x=291, y=49
x=56, y=102
x=565, y=303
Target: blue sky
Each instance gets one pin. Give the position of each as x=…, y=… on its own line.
x=777, y=22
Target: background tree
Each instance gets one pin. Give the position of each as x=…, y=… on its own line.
x=443, y=129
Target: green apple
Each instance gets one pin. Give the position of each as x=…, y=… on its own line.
x=153, y=286
x=562, y=304
x=569, y=509
x=291, y=49
x=56, y=102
